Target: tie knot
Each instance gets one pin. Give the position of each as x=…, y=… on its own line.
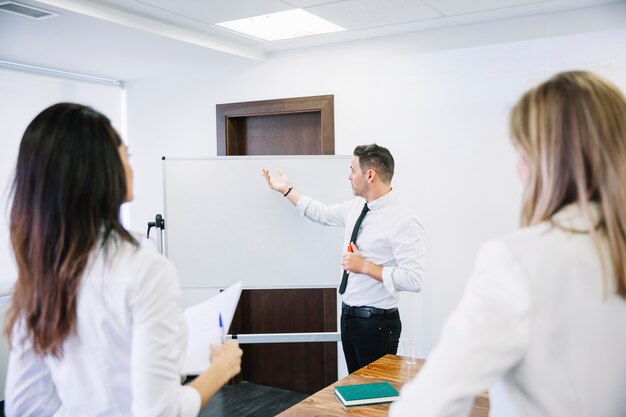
x=365, y=208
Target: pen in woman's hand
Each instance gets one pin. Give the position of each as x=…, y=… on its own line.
x=222, y=329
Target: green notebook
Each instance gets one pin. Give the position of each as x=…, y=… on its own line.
x=359, y=394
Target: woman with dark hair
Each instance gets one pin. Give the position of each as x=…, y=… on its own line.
x=542, y=321
x=95, y=325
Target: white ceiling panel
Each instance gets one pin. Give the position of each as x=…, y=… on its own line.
x=364, y=14
x=85, y=45
x=308, y=3
x=211, y=12
x=177, y=31
x=457, y=7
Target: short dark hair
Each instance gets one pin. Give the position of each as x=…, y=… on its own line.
x=377, y=158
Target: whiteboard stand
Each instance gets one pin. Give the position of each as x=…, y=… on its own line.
x=308, y=337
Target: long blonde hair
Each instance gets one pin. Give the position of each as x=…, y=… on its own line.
x=572, y=130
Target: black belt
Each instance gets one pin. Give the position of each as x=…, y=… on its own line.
x=367, y=311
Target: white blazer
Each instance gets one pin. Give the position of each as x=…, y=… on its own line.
x=535, y=328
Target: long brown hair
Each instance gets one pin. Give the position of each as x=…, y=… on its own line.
x=572, y=129
x=68, y=188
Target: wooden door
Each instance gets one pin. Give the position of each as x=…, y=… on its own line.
x=296, y=126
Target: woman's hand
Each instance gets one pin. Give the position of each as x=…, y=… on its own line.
x=227, y=358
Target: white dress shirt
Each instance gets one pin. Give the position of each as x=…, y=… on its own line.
x=390, y=236
x=126, y=354
x=535, y=328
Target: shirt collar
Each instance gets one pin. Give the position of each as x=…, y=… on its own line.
x=573, y=218
x=382, y=201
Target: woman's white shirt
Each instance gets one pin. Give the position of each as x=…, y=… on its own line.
x=534, y=327
x=126, y=354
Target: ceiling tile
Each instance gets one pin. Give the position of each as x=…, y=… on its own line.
x=308, y=3
x=363, y=14
x=86, y=45
x=214, y=12
x=456, y=7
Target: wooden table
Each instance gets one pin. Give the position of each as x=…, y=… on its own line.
x=391, y=368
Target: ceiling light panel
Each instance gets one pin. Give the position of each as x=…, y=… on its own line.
x=289, y=24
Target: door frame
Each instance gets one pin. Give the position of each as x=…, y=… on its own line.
x=324, y=104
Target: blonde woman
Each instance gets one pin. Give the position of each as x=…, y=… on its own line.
x=542, y=323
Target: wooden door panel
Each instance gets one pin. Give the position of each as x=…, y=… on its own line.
x=285, y=134
x=302, y=367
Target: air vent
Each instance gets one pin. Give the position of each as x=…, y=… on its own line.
x=25, y=10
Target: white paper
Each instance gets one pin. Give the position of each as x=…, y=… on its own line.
x=203, y=328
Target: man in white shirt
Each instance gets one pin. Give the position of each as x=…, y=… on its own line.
x=388, y=256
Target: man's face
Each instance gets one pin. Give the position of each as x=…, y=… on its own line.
x=358, y=178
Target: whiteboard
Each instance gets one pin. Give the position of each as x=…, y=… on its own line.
x=224, y=224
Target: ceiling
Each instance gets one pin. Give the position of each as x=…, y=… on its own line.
x=129, y=39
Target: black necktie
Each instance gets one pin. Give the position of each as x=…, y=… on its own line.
x=355, y=232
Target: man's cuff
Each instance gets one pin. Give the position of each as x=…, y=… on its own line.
x=388, y=280
x=302, y=205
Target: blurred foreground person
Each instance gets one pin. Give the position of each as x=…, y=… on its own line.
x=542, y=321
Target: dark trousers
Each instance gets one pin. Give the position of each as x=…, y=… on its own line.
x=366, y=339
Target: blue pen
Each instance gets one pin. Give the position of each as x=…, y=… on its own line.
x=222, y=329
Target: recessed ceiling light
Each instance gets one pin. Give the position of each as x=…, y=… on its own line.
x=282, y=25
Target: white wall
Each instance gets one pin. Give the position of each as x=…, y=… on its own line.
x=442, y=112
x=22, y=97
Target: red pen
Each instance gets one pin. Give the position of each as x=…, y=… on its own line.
x=350, y=248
